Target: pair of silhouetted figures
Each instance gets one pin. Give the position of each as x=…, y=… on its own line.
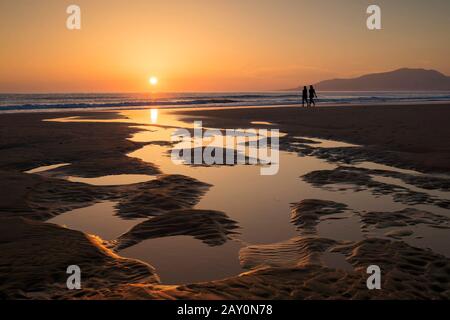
x=312, y=95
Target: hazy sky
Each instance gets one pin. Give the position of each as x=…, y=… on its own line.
x=213, y=45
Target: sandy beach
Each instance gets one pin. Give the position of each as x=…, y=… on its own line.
x=412, y=135
x=224, y=155
x=408, y=143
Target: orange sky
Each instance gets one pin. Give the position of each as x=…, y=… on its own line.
x=213, y=45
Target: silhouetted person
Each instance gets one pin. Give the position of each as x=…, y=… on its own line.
x=312, y=95
x=305, y=96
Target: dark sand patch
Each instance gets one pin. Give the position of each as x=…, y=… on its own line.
x=310, y=282
x=407, y=273
x=417, y=273
x=214, y=228
x=212, y=156
x=357, y=180
x=403, y=218
x=299, y=251
x=341, y=154
x=40, y=198
x=167, y=193
x=306, y=214
x=39, y=143
x=427, y=182
x=35, y=256
x=398, y=234
x=348, y=155
x=91, y=167
x=409, y=137
x=92, y=149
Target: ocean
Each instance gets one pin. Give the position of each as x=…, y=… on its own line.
x=74, y=101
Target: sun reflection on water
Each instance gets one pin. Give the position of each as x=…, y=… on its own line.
x=154, y=116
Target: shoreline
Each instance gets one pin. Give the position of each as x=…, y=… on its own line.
x=411, y=133
x=192, y=107
x=410, y=137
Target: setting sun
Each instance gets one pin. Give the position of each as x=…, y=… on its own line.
x=153, y=81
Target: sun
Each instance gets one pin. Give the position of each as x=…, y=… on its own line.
x=153, y=80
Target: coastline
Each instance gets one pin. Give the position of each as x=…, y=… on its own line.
x=215, y=107
x=402, y=130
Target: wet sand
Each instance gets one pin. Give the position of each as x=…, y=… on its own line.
x=410, y=137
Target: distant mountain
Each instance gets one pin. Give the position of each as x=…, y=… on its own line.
x=399, y=80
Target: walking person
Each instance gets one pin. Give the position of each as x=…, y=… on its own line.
x=305, y=96
x=312, y=95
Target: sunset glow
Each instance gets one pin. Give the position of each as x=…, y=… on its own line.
x=269, y=45
x=153, y=81
x=153, y=116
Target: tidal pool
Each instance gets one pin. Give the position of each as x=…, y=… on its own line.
x=259, y=204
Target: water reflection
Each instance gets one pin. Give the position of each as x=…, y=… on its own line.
x=113, y=180
x=183, y=259
x=153, y=116
x=98, y=219
x=260, y=205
